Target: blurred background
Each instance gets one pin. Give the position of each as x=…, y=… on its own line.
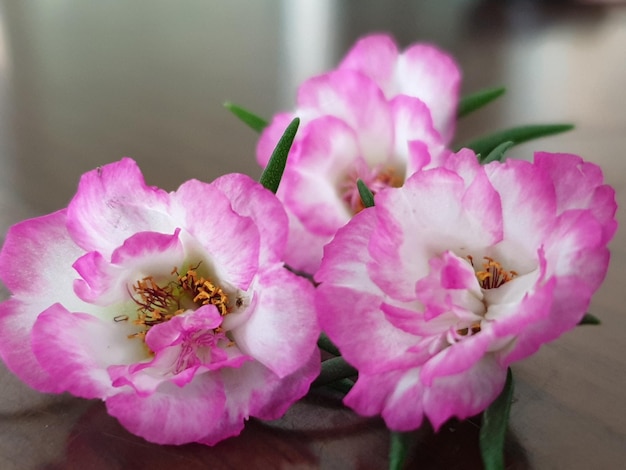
x=84, y=83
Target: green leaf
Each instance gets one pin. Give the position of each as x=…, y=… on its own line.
x=477, y=100
x=255, y=122
x=493, y=429
x=343, y=385
x=334, y=369
x=327, y=345
x=517, y=135
x=589, y=319
x=366, y=195
x=274, y=170
x=400, y=443
x=497, y=154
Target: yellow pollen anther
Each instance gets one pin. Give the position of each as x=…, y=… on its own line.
x=160, y=303
x=493, y=275
x=473, y=329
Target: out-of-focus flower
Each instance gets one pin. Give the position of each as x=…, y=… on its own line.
x=422, y=71
x=174, y=308
x=432, y=293
x=379, y=117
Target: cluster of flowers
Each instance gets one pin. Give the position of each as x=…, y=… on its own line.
x=176, y=308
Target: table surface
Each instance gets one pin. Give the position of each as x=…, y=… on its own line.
x=85, y=83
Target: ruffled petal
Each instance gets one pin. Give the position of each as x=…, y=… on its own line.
x=249, y=199
x=479, y=386
x=345, y=259
x=413, y=122
x=451, y=286
x=312, y=189
x=231, y=241
x=374, y=56
x=183, y=347
x=175, y=330
x=112, y=203
x=345, y=288
x=528, y=203
x=457, y=358
x=577, y=246
x=282, y=329
x=418, y=157
x=427, y=73
x=143, y=254
x=412, y=320
x=175, y=415
x=33, y=265
x=253, y=390
x=76, y=349
x=34, y=262
x=355, y=99
x=387, y=394
x=431, y=202
x=304, y=249
x=422, y=71
x=580, y=185
x=16, y=323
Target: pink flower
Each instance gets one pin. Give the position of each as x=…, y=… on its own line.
x=174, y=308
x=422, y=71
x=379, y=117
x=436, y=290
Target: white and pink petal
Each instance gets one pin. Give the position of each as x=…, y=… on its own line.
x=142, y=254
x=16, y=322
x=427, y=73
x=358, y=101
x=480, y=385
x=76, y=349
x=375, y=56
x=282, y=330
x=112, y=203
x=230, y=241
x=176, y=415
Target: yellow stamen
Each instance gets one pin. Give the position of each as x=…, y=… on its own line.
x=493, y=275
x=160, y=303
x=473, y=329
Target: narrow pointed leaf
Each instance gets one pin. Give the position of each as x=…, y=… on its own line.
x=334, y=369
x=497, y=154
x=517, y=135
x=274, y=170
x=589, y=319
x=398, y=449
x=493, y=429
x=366, y=195
x=327, y=345
x=479, y=99
x=253, y=121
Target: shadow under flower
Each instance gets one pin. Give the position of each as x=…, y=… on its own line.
x=317, y=432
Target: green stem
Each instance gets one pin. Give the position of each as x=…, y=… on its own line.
x=493, y=429
x=399, y=446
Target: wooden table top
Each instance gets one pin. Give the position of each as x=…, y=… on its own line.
x=85, y=83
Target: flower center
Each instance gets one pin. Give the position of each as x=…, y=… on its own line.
x=160, y=302
x=493, y=275
x=375, y=179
